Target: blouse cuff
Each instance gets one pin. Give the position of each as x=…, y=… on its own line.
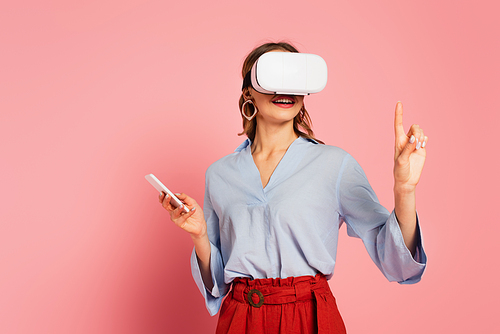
x=213, y=299
x=399, y=264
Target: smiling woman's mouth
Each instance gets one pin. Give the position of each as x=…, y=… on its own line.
x=283, y=102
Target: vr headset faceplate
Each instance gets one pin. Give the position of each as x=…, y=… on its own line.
x=287, y=73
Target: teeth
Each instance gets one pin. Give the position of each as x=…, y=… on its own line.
x=286, y=101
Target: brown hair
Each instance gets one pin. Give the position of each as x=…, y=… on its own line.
x=302, y=124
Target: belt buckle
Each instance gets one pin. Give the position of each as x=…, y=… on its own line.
x=258, y=293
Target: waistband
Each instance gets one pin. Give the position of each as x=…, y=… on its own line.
x=273, y=291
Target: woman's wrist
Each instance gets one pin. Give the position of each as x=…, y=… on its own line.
x=199, y=236
x=404, y=189
x=198, y=228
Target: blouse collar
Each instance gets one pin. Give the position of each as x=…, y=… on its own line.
x=248, y=142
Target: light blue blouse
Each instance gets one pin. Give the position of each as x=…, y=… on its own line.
x=291, y=227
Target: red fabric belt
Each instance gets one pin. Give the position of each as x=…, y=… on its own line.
x=292, y=290
x=255, y=294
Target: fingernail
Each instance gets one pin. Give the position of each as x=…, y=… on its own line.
x=177, y=194
x=418, y=145
x=193, y=208
x=423, y=145
x=412, y=139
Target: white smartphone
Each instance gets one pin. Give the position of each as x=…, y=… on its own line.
x=161, y=188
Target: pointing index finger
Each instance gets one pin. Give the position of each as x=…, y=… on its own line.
x=398, y=120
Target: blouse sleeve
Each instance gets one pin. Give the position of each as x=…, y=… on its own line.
x=379, y=230
x=213, y=299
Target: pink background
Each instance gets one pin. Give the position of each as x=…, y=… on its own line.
x=96, y=94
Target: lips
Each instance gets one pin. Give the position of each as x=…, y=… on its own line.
x=283, y=101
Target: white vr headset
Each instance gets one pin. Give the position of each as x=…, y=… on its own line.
x=287, y=73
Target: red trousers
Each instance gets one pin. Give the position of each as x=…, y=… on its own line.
x=302, y=305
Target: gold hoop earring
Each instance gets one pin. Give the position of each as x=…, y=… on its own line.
x=249, y=118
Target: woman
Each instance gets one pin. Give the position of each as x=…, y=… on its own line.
x=272, y=212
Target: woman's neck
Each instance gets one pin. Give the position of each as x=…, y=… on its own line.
x=269, y=139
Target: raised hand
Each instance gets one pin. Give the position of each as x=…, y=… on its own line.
x=409, y=153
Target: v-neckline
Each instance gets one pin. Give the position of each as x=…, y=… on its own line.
x=271, y=178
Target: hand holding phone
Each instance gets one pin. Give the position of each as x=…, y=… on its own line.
x=161, y=188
